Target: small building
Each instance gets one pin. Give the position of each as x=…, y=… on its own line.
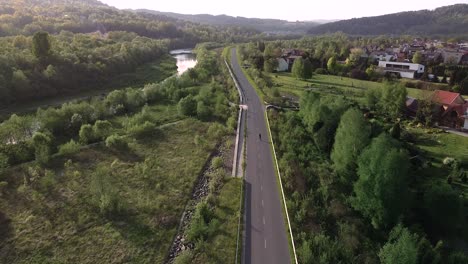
x=404, y=69
x=282, y=65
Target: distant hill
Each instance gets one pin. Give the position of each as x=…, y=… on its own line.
x=448, y=20
x=263, y=25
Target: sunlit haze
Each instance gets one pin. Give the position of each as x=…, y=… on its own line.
x=292, y=11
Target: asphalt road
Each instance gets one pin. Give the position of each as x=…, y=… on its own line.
x=265, y=238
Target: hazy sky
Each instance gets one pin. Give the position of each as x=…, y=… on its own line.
x=288, y=10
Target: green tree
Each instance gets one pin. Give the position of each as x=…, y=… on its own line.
x=298, y=68
x=393, y=100
x=203, y=111
x=270, y=65
x=307, y=69
x=102, y=129
x=42, y=147
x=41, y=45
x=86, y=134
x=401, y=247
x=417, y=57
x=331, y=65
x=382, y=182
x=463, y=87
x=352, y=136
x=187, y=106
x=104, y=191
x=444, y=208
x=372, y=96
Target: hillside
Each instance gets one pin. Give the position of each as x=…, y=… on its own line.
x=88, y=46
x=263, y=25
x=448, y=20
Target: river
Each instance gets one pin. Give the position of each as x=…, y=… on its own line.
x=186, y=59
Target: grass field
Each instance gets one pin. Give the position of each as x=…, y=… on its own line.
x=290, y=85
x=53, y=219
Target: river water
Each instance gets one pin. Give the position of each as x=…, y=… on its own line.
x=186, y=59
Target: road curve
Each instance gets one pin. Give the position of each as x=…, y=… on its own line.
x=265, y=238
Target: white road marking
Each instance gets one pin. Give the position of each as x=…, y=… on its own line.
x=263, y=220
x=261, y=187
x=265, y=243
x=262, y=203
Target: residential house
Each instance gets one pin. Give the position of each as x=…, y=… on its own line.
x=404, y=69
x=382, y=56
x=453, y=108
x=452, y=56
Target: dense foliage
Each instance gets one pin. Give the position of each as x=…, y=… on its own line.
x=357, y=204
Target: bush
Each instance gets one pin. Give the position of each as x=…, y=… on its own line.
x=86, y=134
x=102, y=129
x=116, y=142
x=217, y=162
x=42, y=147
x=203, y=111
x=145, y=130
x=48, y=181
x=69, y=148
x=187, y=106
x=217, y=131
x=104, y=192
x=320, y=71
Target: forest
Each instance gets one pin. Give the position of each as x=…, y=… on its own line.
x=52, y=48
x=443, y=21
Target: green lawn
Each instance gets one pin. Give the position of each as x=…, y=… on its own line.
x=350, y=87
x=438, y=146
x=59, y=222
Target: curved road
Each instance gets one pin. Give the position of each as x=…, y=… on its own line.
x=265, y=238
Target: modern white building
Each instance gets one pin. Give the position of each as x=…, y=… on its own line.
x=282, y=65
x=405, y=69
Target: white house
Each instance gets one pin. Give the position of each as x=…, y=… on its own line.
x=282, y=65
x=405, y=69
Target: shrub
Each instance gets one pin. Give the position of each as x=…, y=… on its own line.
x=86, y=134
x=187, y=106
x=203, y=111
x=69, y=148
x=116, y=142
x=104, y=192
x=102, y=129
x=42, y=147
x=48, y=181
x=217, y=162
x=217, y=131
x=320, y=71
x=145, y=130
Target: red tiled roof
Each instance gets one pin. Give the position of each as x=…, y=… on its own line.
x=444, y=97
